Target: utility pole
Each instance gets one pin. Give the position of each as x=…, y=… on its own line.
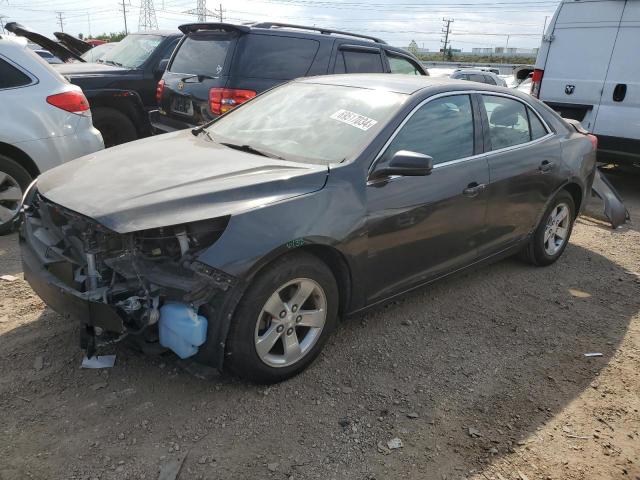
x=220, y=16
x=124, y=14
x=89, y=23
x=147, y=19
x=446, y=29
x=60, y=19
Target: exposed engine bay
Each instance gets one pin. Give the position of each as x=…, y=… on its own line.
x=133, y=274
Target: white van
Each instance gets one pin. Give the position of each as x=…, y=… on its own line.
x=588, y=69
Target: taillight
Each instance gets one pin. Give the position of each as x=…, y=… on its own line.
x=159, y=91
x=221, y=100
x=594, y=141
x=74, y=102
x=536, y=82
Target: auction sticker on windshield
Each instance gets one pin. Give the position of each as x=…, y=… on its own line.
x=354, y=119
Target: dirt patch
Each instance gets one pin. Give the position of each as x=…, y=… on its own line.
x=481, y=376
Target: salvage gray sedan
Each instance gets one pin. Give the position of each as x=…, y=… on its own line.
x=241, y=242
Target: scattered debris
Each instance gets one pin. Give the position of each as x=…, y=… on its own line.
x=4, y=318
x=99, y=385
x=493, y=451
x=579, y=293
x=412, y=415
x=579, y=437
x=344, y=422
x=99, y=361
x=593, y=354
x=394, y=443
x=273, y=467
x=474, y=432
x=8, y=278
x=382, y=448
x=406, y=322
x=347, y=390
x=171, y=469
x=38, y=362
x=522, y=476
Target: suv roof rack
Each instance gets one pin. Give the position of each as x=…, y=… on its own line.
x=324, y=31
x=194, y=27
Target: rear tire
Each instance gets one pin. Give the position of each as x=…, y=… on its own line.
x=13, y=176
x=296, y=344
x=115, y=126
x=552, y=235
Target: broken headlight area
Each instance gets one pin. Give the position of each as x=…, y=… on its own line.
x=151, y=280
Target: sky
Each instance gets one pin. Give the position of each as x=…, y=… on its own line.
x=476, y=23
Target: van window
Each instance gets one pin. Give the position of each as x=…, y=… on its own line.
x=11, y=77
x=537, y=128
x=354, y=61
x=508, y=123
x=476, y=77
x=273, y=57
x=202, y=54
x=403, y=65
x=442, y=128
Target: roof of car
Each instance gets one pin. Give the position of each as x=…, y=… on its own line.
x=164, y=33
x=474, y=70
x=407, y=84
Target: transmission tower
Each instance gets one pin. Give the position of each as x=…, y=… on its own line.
x=202, y=12
x=147, y=20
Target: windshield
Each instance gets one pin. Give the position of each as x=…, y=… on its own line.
x=309, y=123
x=132, y=51
x=97, y=52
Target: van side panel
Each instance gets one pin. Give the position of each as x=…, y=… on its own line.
x=619, y=113
x=582, y=42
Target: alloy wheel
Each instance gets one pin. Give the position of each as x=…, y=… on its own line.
x=290, y=322
x=10, y=198
x=556, y=232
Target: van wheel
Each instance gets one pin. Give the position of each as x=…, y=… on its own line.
x=115, y=126
x=552, y=235
x=283, y=320
x=14, y=180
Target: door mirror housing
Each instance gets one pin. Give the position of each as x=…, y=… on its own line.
x=161, y=67
x=407, y=164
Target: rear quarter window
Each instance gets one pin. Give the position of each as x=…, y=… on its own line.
x=11, y=77
x=274, y=57
x=202, y=54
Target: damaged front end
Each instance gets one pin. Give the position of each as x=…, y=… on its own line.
x=148, y=285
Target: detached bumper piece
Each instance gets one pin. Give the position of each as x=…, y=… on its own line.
x=614, y=208
x=118, y=285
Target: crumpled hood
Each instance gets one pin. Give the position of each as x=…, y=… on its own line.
x=172, y=179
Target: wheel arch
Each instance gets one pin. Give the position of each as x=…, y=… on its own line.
x=127, y=102
x=576, y=193
x=21, y=157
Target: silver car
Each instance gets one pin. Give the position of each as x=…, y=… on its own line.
x=478, y=75
x=44, y=122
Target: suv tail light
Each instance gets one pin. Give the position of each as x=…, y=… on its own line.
x=594, y=141
x=159, y=91
x=74, y=102
x=536, y=82
x=221, y=100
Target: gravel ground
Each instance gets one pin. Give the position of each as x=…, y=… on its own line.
x=482, y=376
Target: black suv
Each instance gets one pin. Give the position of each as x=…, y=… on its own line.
x=217, y=66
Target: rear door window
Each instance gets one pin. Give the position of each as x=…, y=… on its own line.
x=489, y=79
x=355, y=61
x=538, y=130
x=11, y=77
x=442, y=128
x=403, y=65
x=202, y=54
x=277, y=58
x=508, y=122
x=475, y=77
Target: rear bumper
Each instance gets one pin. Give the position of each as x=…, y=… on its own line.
x=161, y=123
x=62, y=298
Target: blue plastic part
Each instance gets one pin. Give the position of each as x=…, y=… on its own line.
x=181, y=329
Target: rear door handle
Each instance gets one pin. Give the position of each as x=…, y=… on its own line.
x=545, y=166
x=473, y=189
x=620, y=92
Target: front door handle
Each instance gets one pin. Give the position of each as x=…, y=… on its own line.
x=545, y=166
x=473, y=189
x=619, y=92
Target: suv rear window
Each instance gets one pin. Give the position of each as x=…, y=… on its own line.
x=11, y=77
x=203, y=54
x=274, y=57
x=354, y=61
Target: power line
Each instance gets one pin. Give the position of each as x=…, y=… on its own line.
x=201, y=11
x=147, y=19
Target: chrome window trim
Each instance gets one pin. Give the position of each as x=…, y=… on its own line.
x=549, y=134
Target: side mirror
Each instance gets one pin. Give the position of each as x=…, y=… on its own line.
x=405, y=163
x=161, y=67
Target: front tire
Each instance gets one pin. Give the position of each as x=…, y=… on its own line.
x=115, y=126
x=14, y=180
x=552, y=235
x=283, y=321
